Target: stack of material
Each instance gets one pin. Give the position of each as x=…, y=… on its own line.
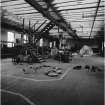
x=53, y=72
x=86, y=51
x=34, y=54
x=28, y=54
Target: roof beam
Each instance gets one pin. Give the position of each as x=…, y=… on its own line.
x=65, y=2
x=79, y=12
x=8, y=1
x=76, y=4
x=12, y=4
x=58, y=20
x=26, y=13
x=79, y=8
x=18, y=7
x=22, y=10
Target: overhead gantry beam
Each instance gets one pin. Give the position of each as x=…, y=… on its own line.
x=51, y=13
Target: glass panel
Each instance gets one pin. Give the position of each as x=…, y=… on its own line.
x=41, y=42
x=10, y=39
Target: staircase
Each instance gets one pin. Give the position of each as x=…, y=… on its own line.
x=34, y=54
x=47, y=28
x=33, y=51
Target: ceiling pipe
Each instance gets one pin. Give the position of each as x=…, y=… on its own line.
x=94, y=18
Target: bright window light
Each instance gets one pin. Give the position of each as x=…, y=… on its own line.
x=25, y=38
x=41, y=42
x=50, y=44
x=10, y=39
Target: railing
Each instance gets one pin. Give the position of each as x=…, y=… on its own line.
x=6, y=44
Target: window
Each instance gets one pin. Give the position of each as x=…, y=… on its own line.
x=25, y=38
x=41, y=42
x=50, y=44
x=10, y=39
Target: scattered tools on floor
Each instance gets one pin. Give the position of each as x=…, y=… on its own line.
x=89, y=68
x=29, y=70
x=28, y=53
x=54, y=71
x=77, y=67
x=51, y=71
x=52, y=74
x=94, y=69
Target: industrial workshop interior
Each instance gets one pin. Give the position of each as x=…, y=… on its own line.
x=52, y=52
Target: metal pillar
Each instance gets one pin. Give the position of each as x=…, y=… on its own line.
x=22, y=35
x=30, y=34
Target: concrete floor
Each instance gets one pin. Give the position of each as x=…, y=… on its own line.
x=76, y=87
